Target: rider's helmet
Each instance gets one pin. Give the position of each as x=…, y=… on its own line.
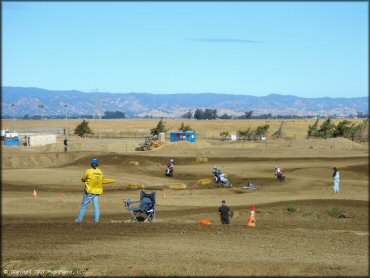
x=172, y=161
x=276, y=167
x=95, y=162
x=214, y=168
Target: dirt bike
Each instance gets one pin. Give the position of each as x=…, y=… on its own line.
x=169, y=171
x=280, y=176
x=222, y=180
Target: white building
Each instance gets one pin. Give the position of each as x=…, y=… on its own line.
x=37, y=139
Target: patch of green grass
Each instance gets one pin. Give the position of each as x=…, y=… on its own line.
x=334, y=212
x=292, y=208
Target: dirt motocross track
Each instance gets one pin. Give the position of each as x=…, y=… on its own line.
x=39, y=236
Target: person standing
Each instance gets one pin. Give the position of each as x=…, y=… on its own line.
x=336, y=180
x=224, y=212
x=93, y=179
x=65, y=144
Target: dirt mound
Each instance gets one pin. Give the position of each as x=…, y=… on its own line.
x=40, y=160
x=182, y=148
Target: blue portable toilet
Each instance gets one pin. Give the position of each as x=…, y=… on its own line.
x=189, y=136
x=12, y=142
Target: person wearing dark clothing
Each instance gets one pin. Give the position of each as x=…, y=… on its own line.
x=224, y=212
x=65, y=144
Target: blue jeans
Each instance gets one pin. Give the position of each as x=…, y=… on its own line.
x=336, y=185
x=88, y=197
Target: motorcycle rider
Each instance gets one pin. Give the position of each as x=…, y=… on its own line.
x=278, y=172
x=170, y=166
x=171, y=163
x=217, y=173
x=220, y=177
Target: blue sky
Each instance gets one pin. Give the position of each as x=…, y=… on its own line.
x=293, y=48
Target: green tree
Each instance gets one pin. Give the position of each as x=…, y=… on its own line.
x=83, y=128
x=114, y=115
x=159, y=128
x=356, y=131
x=184, y=127
x=245, y=134
x=278, y=133
x=248, y=114
x=312, y=130
x=342, y=128
x=226, y=117
x=210, y=114
x=224, y=134
x=187, y=115
x=326, y=129
x=262, y=130
x=199, y=114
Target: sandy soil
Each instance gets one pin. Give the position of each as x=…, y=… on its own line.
x=39, y=236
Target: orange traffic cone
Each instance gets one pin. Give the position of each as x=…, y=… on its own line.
x=164, y=194
x=34, y=194
x=252, y=218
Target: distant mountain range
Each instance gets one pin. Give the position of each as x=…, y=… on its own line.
x=27, y=101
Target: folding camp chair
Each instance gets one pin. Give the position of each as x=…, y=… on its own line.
x=144, y=211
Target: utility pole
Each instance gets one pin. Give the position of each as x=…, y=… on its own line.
x=14, y=115
x=66, y=106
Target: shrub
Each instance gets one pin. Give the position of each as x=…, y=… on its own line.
x=262, y=130
x=292, y=208
x=334, y=212
x=83, y=128
x=184, y=127
x=224, y=134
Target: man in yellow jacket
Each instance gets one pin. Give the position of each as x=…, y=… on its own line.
x=93, y=179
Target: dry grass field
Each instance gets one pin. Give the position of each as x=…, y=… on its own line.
x=297, y=230
x=204, y=128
